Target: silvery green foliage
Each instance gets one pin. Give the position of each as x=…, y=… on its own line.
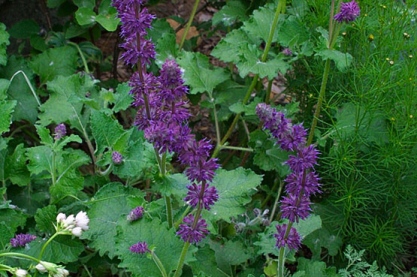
x=357, y=267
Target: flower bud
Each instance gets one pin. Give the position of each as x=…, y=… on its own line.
x=21, y=273
x=77, y=231
x=41, y=268
x=61, y=217
x=82, y=220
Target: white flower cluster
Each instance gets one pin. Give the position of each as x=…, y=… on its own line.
x=53, y=270
x=75, y=224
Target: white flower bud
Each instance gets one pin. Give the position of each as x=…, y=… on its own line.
x=69, y=221
x=82, y=220
x=61, y=217
x=41, y=268
x=61, y=272
x=77, y=231
x=21, y=273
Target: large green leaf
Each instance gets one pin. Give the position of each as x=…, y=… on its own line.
x=259, y=24
x=198, y=74
x=65, y=101
x=51, y=64
x=166, y=243
x=19, y=90
x=230, y=13
x=6, y=108
x=10, y=220
x=229, y=253
x=235, y=189
x=15, y=168
x=342, y=60
x=108, y=209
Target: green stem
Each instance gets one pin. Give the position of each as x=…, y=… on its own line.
x=159, y=264
x=46, y=244
x=28, y=82
x=168, y=205
x=182, y=259
x=82, y=56
x=320, y=101
x=190, y=21
x=19, y=255
x=281, y=186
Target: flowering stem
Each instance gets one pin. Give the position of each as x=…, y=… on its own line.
x=279, y=10
x=82, y=56
x=190, y=21
x=182, y=259
x=159, y=264
x=281, y=186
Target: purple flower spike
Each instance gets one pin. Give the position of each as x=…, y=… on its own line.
x=348, y=12
x=140, y=248
x=293, y=240
x=60, y=131
x=287, y=52
x=207, y=198
x=21, y=240
x=190, y=234
x=135, y=214
x=172, y=82
x=116, y=157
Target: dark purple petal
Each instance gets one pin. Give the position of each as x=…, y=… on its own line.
x=190, y=234
x=207, y=198
x=116, y=157
x=292, y=241
x=348, y=12
x=139, y=248
x=60, y=131
x=135, y=214
x=295, y=208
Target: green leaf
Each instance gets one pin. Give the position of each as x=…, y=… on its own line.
x=4, y=41
x=292, y=32
x=107, y=16
x=250, y=63
x=40, y=159
x=4, y=86
x=85, y=16
x=64, y=104
x=15, y=167
x=198, y=74
x=123, y=98
x=69, y=180
x=175, y=184
x=322, y=238
x=50, y=64
x=138, y=158
x=24, y=29
x=315, y=268
x=6, y=108
x=342, y=60
x=27, y=106
x=44, y=135
x=268, y=155
x=109, y=209
x=45, y=219
x=166, y=47
x=235, y=189
x=62, y=249
x=205, y=262
x=106, y=131
x=228, y=49
x=225, y=96
x=229, y=253
x=230, y=13
x=166, y=244
x=10, y=220
x=259, y=24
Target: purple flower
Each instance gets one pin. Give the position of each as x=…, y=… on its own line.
x=135, y=214
x=295, y=208
x=287, y=52
x=306, y=158
x=190, y=233
x=60, y=131
x=135, y=22
x=302, y=182
x=348, y=12
x=21, y=240
x=207, y=198
x=139, y=248
x=173, y=88
x=116, y=157
x=292, y=241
